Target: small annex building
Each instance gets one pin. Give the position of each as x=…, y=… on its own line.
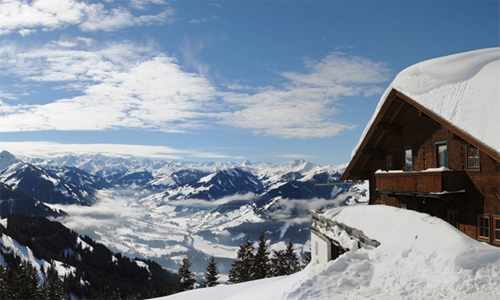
x=433, y=143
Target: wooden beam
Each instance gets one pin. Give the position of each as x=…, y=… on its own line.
x=466, y=137
x=392, y=129
x=396, y=113
x=381, y=136
x=373, y=153
x=362, y=175
x=385, y=106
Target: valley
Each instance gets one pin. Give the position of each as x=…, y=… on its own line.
x=164, y=210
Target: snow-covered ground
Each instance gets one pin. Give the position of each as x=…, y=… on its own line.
x=420, y=257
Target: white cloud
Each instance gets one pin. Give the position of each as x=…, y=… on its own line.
x=26, y=32
x=125, y=86
x=24, y=16
x=304, y=106
x=51, y=149
x=339, y=68
x=143, y=4
x=295, y=156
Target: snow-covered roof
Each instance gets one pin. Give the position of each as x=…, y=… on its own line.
x=463, y=89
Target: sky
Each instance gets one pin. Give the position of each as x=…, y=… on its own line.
x=265, y=81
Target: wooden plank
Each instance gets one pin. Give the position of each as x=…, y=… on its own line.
x=392, y=129
x=375, y=153
x=385, y=106
x=466, y=137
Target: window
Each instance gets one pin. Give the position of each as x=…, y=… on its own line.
x=472, y=161
x=483, y=227
x=402, y=206
x=442, y=154
x=408, y=159
x=453, y=218
x=388, y=161
x=496, y=229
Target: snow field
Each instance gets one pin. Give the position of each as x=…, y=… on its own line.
x=420, y=257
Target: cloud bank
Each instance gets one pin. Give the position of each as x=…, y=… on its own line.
x=27, y=17
x=125, y=86
x=50, y=149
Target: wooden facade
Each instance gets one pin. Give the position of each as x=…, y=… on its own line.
x=430, y=166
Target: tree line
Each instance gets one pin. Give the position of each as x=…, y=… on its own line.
x=251, y=264
x=21, y=281
x=98, y=273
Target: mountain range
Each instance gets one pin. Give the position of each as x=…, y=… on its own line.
x=164, y=210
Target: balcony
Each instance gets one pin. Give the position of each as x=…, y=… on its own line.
x=435, y=183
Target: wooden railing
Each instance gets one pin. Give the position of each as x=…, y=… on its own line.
x=420, y=182
x=320, y=223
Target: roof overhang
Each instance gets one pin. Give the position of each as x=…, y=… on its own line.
x=394, y=103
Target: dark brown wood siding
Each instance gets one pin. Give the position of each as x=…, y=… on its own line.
x=421, y=133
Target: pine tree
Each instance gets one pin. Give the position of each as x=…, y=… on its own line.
x=211, y=275
x=186, y=277
x=28, y=280
x=3, y=282
x=241, y=270
x=278, y=264
x=291, y=259
x=53, y=287
x=261, y=259
x=306, y=260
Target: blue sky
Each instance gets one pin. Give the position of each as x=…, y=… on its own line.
x=267, y=81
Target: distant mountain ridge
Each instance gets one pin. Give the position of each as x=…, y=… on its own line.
x=168, y=209
x=42, y=184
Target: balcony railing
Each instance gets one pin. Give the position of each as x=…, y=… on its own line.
x=435, y=182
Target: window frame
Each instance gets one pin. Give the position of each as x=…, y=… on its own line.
x=479, y=237
x=387, y=158
x=436, y=147
x=412, y=158
x=450, y=212
x=494, y=229
x=467, y=168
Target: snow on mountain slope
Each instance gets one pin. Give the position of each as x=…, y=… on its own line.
x=420, y=257
x=41, y=184
x=26, y=254
x=165, y=210
x=16, y=202
x=214, y=186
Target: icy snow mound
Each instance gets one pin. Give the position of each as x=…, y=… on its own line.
x=420, y=257
x=463, y=89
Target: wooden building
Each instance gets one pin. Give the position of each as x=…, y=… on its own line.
x=417, y=154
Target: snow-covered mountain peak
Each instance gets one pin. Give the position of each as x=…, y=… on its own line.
x=7, y=159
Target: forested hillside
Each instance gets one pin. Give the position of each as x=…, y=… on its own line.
x=88, y=269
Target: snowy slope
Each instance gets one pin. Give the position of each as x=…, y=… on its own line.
x=165, y=210
x=463, y=89
x=42, y=184
x=420, y=257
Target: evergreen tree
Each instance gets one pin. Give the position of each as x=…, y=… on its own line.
x=3, y=282
x=278, y=264
x=261, y=259
x=291, y=259
x=28, y=280
x=186, y=277
x=306, y=260
x=53, y=287
x=241, y=270
x=211, y=275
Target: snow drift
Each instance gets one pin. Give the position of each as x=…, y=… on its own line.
x=420, y=257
